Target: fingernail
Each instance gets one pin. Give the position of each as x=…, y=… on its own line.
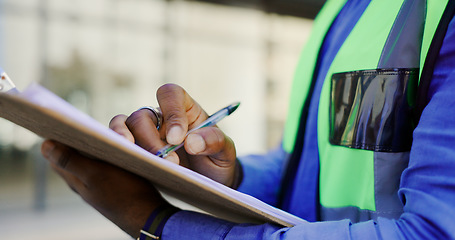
x=175, y=135
x=173, y=158
x=195, y=143
x=47, y=148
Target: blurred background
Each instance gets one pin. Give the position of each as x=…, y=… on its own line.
x=109, y=56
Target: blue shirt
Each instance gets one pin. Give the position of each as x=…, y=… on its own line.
x=427, y=185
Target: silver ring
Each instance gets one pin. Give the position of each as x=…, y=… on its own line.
x=158, y=115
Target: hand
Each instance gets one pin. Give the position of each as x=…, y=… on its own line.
x=207, y=151
x=122, y=197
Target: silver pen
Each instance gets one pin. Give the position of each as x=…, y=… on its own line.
x=212, y=120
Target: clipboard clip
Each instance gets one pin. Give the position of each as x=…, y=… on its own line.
x=6, y=85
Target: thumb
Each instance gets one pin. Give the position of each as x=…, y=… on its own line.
x=180, y=112
x=212, y=142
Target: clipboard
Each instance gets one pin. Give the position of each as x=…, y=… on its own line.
x=47, y=115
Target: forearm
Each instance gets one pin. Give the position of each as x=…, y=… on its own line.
x=199, y=226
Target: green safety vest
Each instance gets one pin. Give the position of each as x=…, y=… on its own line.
x=367, y=105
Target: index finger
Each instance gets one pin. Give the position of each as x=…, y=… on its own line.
x=180, y=112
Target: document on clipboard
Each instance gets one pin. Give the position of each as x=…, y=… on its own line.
x=47, y=115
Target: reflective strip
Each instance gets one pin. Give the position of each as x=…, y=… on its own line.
x=353, y=213
x=402, y=49
x=388, y=168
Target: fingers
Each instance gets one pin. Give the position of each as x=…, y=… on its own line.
x=213, y=154
x=172, y=100
x=211, y=141
x=124, y=198
x=141, y=125
x=117, y=124
x=180, y=112
x=73, y=182
x=66, y=160
x=140, y=128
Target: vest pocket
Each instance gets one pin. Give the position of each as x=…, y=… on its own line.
x=373, y=109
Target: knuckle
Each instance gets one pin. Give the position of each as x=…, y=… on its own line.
x=139, y=114
x=215, y=138
x=217, y=133
x=117, y=121
x=221, y=138
x=218, y=136
x=172, y=117
x=64, y=158
x=135, y=118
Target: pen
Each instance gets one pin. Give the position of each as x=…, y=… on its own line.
x=212, y=120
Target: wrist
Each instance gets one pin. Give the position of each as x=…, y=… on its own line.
x=154, y=225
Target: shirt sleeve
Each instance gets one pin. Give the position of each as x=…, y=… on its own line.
x=427, y=187
x=262, y=175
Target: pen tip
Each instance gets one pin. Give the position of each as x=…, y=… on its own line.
x=233, y=107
